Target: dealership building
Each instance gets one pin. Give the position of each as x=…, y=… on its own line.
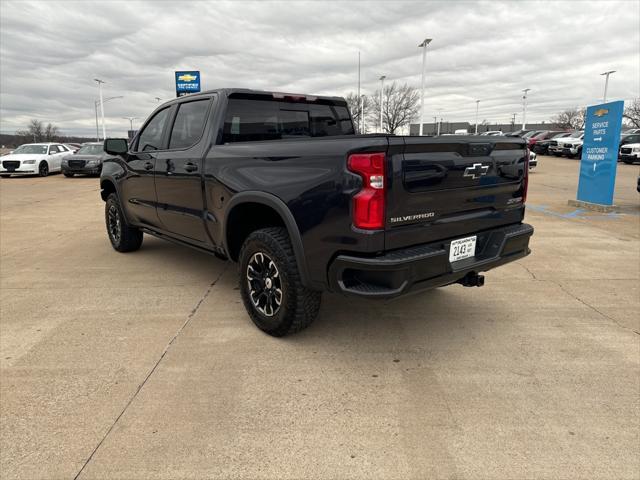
x=451, y=127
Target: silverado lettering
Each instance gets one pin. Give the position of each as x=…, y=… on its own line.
x=408, y=218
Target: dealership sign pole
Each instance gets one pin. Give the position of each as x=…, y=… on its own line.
x=599, y=156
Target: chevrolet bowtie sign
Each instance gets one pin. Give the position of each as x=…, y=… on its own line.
x=187, y=82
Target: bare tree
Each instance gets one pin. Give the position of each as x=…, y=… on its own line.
x=632, y=113
x=399, y=106
x=37, y=132
x=355, y=107
x=51, y=133
x=572, y=118
x=33, y=133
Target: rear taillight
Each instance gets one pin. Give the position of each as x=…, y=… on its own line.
x=368, y=203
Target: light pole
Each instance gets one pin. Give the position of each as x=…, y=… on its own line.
x=95, y=105
x=131, y=119
x=423, y=45
x=524, y=108
x=359, y=98
x=104, y=130
x=362, y=113
x=606, y=83
x=477, y=107
x=381, y=97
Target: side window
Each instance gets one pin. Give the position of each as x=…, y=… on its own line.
x=189, y=124
x=61, y=148
x=52, y=149
x=151, y=136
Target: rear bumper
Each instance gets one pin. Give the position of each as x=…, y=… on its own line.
x=426, y=266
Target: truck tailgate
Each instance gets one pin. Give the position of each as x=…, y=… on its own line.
x=447, y=187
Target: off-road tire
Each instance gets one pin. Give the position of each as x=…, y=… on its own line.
x=128, y=238
x=299, y=306
x=43, y=169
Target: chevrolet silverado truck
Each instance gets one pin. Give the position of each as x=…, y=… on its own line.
x=282, y=185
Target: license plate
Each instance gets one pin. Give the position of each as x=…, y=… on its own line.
x=462, y=248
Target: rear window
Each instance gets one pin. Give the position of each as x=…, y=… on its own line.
x=189, y=124
x=250, y=120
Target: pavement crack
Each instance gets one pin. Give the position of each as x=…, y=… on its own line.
x=533, y=275
x=575, y=297
x=153, y=369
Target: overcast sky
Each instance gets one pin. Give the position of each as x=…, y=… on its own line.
x=51, y=51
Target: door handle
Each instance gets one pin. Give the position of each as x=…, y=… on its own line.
x=148, y=166
x=191, y=167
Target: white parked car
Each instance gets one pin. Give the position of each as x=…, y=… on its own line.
x=533, y=160
x=493, y=133
x=630, y=153
x=569, y=146
x=34, y=159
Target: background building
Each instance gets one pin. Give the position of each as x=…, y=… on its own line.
x=451, y=127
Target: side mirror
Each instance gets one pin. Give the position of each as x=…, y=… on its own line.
x=116, y=146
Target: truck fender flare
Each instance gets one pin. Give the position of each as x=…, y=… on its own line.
x=111, y=180
x=281, y=209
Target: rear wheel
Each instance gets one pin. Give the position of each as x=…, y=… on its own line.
x=270, y=284
x=43, y=169
x=123, y=237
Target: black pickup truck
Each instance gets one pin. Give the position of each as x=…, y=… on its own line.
x=281, y=184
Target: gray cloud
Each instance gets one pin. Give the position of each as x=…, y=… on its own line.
x=51, y=51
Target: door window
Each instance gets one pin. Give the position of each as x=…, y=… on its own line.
x=189, y=124
x=52, y=149
x=151, y=136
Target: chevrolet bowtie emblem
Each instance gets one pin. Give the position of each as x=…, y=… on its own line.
x=476, y=171
x=187, y=77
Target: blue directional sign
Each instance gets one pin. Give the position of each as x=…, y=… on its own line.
x=600, y=153
x=187, y=82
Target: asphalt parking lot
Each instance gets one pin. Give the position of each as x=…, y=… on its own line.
x=145, y=365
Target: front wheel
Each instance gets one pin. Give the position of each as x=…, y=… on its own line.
x=123, y=237
x=43, y=169
x=270, y=284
